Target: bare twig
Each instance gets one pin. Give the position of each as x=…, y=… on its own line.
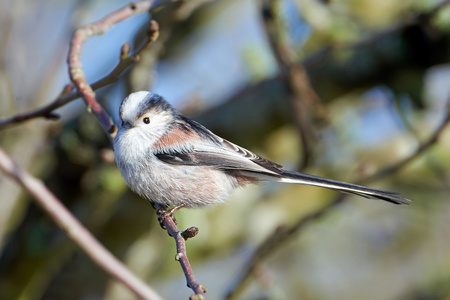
x=74, y=56
x=181, y=256
x=68, y=95
x=282, y=234
x=74, y=229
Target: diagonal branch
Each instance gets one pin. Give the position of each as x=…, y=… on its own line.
x=433, y=139
x=74, y=229
x=283, y=234
x=76, y=72
x=68, y=95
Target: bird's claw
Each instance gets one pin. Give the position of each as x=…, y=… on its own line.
x=163, y=214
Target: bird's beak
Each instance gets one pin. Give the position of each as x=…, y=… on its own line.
x=127, y=125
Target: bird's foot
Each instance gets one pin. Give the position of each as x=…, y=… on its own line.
x=163, y=214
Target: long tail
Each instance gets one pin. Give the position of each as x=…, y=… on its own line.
x=359, y=190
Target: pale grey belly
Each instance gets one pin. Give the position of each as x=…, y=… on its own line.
x=175, y=185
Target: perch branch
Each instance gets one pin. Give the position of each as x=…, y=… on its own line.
x=181, y=256
x=74, y=229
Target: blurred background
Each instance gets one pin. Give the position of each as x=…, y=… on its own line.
x=336, y=88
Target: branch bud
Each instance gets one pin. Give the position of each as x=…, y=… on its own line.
x=189, y=233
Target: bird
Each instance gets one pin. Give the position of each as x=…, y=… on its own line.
x=176, y=162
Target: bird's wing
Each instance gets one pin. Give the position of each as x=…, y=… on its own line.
x=208, y=149
x=197, y=146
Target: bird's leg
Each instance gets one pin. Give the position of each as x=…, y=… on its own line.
x=163, y=214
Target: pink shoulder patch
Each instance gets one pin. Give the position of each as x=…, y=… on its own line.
x=176, y=136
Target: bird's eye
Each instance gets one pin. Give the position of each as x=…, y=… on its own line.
x=146, y=120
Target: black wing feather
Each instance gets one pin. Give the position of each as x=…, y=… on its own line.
x=216, y=152
x=226, y=156
x=177, y=158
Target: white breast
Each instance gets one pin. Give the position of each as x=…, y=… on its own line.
x=145, y=174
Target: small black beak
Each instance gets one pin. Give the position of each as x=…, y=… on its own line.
x=127, y=125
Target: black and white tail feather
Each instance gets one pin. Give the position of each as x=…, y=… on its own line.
x=271, y=168
x=294, y=177
x=232, y=158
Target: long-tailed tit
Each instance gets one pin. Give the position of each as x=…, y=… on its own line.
x=174, y=161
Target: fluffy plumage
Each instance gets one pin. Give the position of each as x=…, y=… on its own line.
x=172, y=160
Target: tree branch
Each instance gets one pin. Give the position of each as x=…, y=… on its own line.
x=74, y=229
x=181, y=256
x=283, y=234
x=74, y=56
x=433, y=139
x=68, y=95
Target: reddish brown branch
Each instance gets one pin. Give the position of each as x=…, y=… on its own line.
x=181, y=256
x=68, y=95
x=74, y=56
x=74, y=229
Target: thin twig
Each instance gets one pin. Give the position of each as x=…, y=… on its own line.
x=433, y=139
x=74, y=56
x=68, y=95
x=283, y=234
x=181, y=256
x=74, y=229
